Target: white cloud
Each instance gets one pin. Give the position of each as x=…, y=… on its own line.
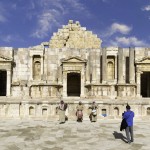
x=2, y=14
x=76, y=5
x=116, y=28
x=2, y=18
x=10, y=38
x=45, y=23
x=52, y=13
x=105, y=1
x=122, y=28
x=128, y=41
x=146, y=8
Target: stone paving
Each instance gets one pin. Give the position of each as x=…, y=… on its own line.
x=50, y=135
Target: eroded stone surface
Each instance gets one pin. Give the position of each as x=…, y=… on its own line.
x=46, y=135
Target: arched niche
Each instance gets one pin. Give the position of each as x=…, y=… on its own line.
x=148, y=111
x=110, y=68
x=37, y=67
x=104, y=112
x=44, y=111
x=31, y=111
x=116, y=111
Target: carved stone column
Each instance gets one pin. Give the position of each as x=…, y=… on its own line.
x=120, y=65
x=93, y=64
x=116, y=66
x=131, y=66
x=82, y=82
x=104, y=65
x=138, y=81
x=60, y=75
x=64, y=84
x=8, y=82
x=42, y=67
x=88, y=72
x=31, y=67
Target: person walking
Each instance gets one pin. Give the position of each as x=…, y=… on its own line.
x=128, y=116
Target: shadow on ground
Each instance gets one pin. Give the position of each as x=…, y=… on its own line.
x=119, y=136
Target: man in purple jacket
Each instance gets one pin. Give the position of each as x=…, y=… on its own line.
x=128, y=115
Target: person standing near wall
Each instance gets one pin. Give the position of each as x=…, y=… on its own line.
x=128, y=116
x=61, y=111
x=79, y=112
x=93, y=114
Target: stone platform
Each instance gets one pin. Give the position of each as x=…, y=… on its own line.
x=50, y=135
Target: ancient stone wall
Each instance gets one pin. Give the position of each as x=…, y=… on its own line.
x=37, y=76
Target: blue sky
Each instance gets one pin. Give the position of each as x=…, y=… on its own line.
x=25, y=23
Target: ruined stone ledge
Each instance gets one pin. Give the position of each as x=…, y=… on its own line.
x=6, y=100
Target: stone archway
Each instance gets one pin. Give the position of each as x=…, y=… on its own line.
x=116, y=111
x=104, y=112
x=73, y=84
x=31, y=111
x=148, y=111
x=3, y=81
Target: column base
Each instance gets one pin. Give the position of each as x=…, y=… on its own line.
x=139, y=96
x=82, y=96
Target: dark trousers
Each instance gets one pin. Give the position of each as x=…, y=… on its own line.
x=129, y=134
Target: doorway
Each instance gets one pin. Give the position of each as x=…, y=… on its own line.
x=73, y=84
x=145, y=84
x=3, y=82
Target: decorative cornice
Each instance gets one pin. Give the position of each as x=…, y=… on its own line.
x=4, y=58
x=141, y=61
x=75, y=59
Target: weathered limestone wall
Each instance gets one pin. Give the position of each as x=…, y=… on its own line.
x=37, y=76
x=52, y=62
x=45, y=109
x=7, y=52
x=21, y=73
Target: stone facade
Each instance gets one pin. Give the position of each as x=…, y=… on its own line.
x=73, y=66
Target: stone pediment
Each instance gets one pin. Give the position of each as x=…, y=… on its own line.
x=144, y=60
x=5, y=59
x=74, y=60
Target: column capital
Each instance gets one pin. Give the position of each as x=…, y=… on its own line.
x=139, y=72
